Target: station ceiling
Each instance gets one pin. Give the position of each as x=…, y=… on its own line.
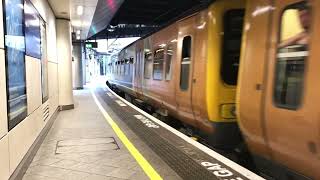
x=67, y=9
x=136, y=18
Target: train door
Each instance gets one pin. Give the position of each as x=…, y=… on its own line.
x=137, y=72
x=185, y=70
x=290, y=125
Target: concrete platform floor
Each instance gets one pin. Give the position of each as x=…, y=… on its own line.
x=82, y=146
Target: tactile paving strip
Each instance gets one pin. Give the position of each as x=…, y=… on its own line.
x=184, y=165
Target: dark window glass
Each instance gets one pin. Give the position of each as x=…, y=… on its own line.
x=32, y=31
x=147, y=65
x=158, y=64
x=170, y=51
x=15, y=62
x=233, y=23
x=291, y=56
x=185, y=63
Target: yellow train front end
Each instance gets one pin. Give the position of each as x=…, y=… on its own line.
x=225, y=24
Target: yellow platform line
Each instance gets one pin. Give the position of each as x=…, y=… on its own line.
x=144, y=164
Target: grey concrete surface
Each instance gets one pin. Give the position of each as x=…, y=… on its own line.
x=82, y=146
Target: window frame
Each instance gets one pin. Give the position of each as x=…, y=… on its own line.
x=163, y=60
x=190, y=60
x=223, y=74
x=12, y=123
x=144, y=65
x=171, y=61
x=274, y=83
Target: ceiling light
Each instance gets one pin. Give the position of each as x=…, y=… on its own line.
x=79, y=24
x=110, y=29
x=80, y=10
x=78, y=37
x=78, y=32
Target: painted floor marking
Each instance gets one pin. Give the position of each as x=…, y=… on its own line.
x=144, y=164
x=109, y=94
x=120, y=103
x=236, y=167
x=146, y=121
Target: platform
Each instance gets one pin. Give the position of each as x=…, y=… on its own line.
x=106, y=137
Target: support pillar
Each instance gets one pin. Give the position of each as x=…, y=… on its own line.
x=64, y=50
x=77, y=66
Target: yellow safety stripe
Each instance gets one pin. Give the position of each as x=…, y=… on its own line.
x=144, y=164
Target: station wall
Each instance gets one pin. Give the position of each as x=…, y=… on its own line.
x=15, y=143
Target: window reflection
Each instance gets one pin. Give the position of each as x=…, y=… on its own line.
x=15, y=57
x=292, y=53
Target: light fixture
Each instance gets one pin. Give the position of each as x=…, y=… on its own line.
x=80, y=10
x=162, y=45
x=110, y=29
x=262, y=10
x=78, y=37
x=174, y=40
x=202, y=25
x=79, y=24
x=78, y=32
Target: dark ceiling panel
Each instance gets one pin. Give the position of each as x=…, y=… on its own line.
x=105, y=11
x=140, y=17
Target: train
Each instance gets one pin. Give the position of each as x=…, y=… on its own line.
x=242, y=73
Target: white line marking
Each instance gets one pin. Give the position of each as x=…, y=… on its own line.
x=120, y=103
x=236, y=167
x=146, y=121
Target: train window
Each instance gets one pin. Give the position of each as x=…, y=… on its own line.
x=169, y=57
x=291, y=55
x=185, y=63
x=126, y=67
x=158, y=64
x=231, y=44
x=123, y=65
x=147, y=65
x=118, y=68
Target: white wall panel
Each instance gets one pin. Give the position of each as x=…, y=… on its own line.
x=3, y=97
x=1, y=25
x=33, y=74
x=17, y=142
x=23, y=136
x=4, y=157
x=53, y=87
